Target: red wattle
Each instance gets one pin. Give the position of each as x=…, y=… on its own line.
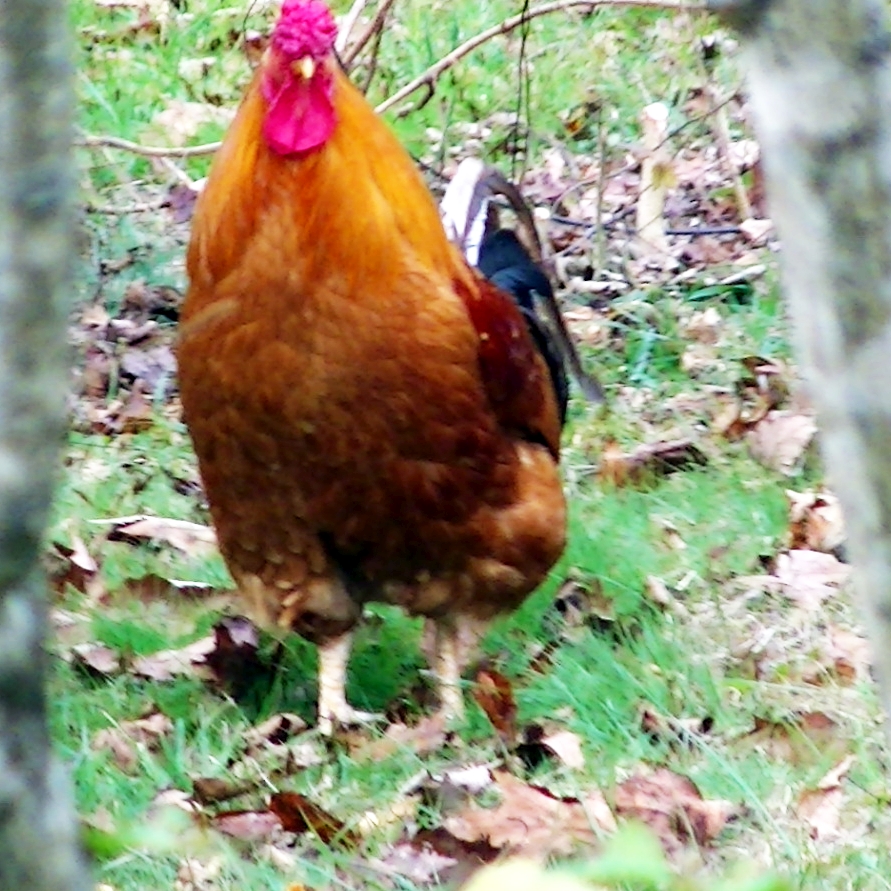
x=300, y=115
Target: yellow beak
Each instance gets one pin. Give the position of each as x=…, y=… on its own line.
x=304, y=67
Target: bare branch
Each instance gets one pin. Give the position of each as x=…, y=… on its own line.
x=429, y=77
x=147, y=151
x=376, y=24
x=347, y=23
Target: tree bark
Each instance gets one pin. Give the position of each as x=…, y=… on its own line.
x=39, y=847
x=820, y=85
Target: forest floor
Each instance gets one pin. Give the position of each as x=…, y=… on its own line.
x=694, y=663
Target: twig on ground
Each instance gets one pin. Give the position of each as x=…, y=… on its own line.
x=124, y=209
x=148, y=151
x=428, y=77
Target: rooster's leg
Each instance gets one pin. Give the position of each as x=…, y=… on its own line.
x=447, y=666
x=333, y=707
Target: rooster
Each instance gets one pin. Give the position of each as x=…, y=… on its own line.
x=470, y=219
x=371, y=417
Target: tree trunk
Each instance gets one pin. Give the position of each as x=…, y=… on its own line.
x=39, y=848
x=820, y=84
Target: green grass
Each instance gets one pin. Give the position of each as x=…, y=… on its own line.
x=688, y=661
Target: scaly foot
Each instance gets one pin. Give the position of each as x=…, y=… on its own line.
x=334, y=710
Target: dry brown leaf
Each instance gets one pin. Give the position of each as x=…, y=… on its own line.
x=704, y=326
x=122, y=749
x=209, y=790
x=849, y=655
x=75, y=567
x=815, y=521
x=466, y=857
x=428, y=735
x=276, y=730
x=821, y=808
x=657, y=592
x=253, y=826
x=674, y=731
x=298, y=814
x=284, y=859
x=418, y=863
x=155, y=587
x=566, y=747
x=198, y=875
x=191, y=538
x=809, y=578
x=580, y=605
x=756, y=231
x=801, y=740
x=235, y=659
x=494, y=695
x=531, y=821
x=122, y=740
x=673, y=808
x=167, y=664
x=699, y=358
x=153, y=366
x=96, y=659
x=781, y=438
x=647, y=461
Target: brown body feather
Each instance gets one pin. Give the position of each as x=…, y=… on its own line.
x=370, y=416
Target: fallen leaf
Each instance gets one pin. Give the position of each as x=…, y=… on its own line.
x=153, y=587
x=191, y=538
x=234, y=659
x=673, y=808
x=154, y=366
x=849, y=655
x=674, y=731
x=704, y=326
x=532, y=821
x=808, y=578
x=252, y=826
x=821, y=808
x=566, y=747
x=131, y=414
x=76, y=568
x=581, y=606
x=494, y=695
x=699, y=358
x=298, y=814
x=96, y=659
x=648, y=461
x=167, y=664
x=418, y=863
x=275, y=730
x=756, y=231
x=801, y=739
x=147, y=731
x=428, y=735
x=780, y=439
x=198, y=875
x=209, y=790
x=181, y=200
x=540, y=745
x=815, y=521
x=657, y=592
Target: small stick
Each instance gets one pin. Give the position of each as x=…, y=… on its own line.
x=509, y=24
x=376, y=24
x=148, y=151
x=348, y=22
